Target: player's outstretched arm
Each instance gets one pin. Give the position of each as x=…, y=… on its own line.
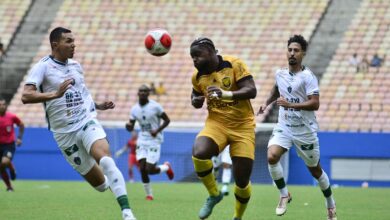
x=197, y=99
x=20, y=135
x=105, y=105
x=274, y=94
x=31, y=95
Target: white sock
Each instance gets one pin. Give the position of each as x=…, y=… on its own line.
x=324, y=184
x=148, y=189
x=103, y=187
x=115, y=177
x=226, y=175
x=276, y=172
x=163, y=168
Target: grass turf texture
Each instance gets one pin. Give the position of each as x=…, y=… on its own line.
x=181, y=201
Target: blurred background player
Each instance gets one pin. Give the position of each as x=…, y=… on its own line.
x=228, y=86
x=296, y=92
x=223, y=161
x=71, y=116
x=132, y=159
x=7, y=142
x=149, y=113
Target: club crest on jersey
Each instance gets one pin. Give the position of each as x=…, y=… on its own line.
x=226, y=82
x=289, y=89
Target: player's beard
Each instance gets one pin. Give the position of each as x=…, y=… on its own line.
x=292, y=61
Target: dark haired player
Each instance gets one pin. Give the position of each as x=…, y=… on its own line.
x=296, y=93
x=227, y=86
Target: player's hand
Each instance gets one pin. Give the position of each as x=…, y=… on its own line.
x=281, y=101
x=105, y=105
x=129, y=127
x=214, y=92
x=153, y=133
x=18, y=142
x=262, y=109
x=197, y=101
x=117, y=154
x=63, y=87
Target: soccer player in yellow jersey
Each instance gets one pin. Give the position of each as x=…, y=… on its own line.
x=226, y=85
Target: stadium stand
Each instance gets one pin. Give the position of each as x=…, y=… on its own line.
x=109, y=38
x=359, y=101
x=11, y=13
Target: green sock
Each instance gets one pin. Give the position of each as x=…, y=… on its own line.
x=123, y=202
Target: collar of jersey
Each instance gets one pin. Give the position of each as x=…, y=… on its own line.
x=58, y=62
x=293, y=74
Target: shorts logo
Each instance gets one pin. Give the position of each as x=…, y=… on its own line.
x=77, y=160
x=226, y=82
x=307, y=147
x=71, y=150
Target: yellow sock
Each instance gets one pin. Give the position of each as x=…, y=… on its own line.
x=208, y=180
x=242, y=198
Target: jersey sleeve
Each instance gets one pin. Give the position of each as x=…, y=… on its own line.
x=132, y=114
x=240, y=69
x=195, y=84
x=312, y=85
x=16, y=119
x=36, y=75
x=160, y=109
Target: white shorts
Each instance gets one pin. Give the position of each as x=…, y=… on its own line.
x=225, y=156
x=149, y=150
x=75, y=146
x=307, y=145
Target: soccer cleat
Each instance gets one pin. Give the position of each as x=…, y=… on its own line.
x=207, y=208
x=149, y=197
x=170, y=173
x=282, y=206
x=10, y=189
x=332, y=214
x=225, y=190
x=127, y=214
x=12, y=174
x=235, y=218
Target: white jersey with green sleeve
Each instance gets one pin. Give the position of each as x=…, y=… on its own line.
x=76, y=107
x=295, y=88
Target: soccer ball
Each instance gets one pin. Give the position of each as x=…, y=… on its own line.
x=158, y=42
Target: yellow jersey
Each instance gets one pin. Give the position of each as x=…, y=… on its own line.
x=230, y=113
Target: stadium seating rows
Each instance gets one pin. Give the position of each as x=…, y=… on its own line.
x=359, y=101
x=109, y=38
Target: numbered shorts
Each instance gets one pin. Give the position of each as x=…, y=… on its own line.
x=241, y=139
x=7, y=150
x=149, y=151
x=306, y=145
x=75, y=146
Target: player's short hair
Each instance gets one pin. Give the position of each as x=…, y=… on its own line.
x=144, y=87
x=298, y=39
x=2, y=99
x=203, y=41
x=55, y=34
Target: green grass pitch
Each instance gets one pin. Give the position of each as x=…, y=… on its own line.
x=57, y=200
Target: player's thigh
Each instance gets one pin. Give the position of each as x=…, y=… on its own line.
x=242, y=142
x=95, y=176
x=93, y=138
x=141, y=151
x=7, y=152
x=279, y=143
x=211, y=140
x=308, y=149
x=74, y=152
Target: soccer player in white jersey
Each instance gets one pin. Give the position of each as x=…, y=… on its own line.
x=149, y=113
x=57, y=81
x=296, y=93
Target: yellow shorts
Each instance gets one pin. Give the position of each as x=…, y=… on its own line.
x=241, y=139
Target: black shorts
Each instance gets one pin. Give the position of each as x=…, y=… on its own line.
x=7, y=150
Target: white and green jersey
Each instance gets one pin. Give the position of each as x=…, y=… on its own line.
x=76, y=107
x=149, y=118
x=295, y=87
